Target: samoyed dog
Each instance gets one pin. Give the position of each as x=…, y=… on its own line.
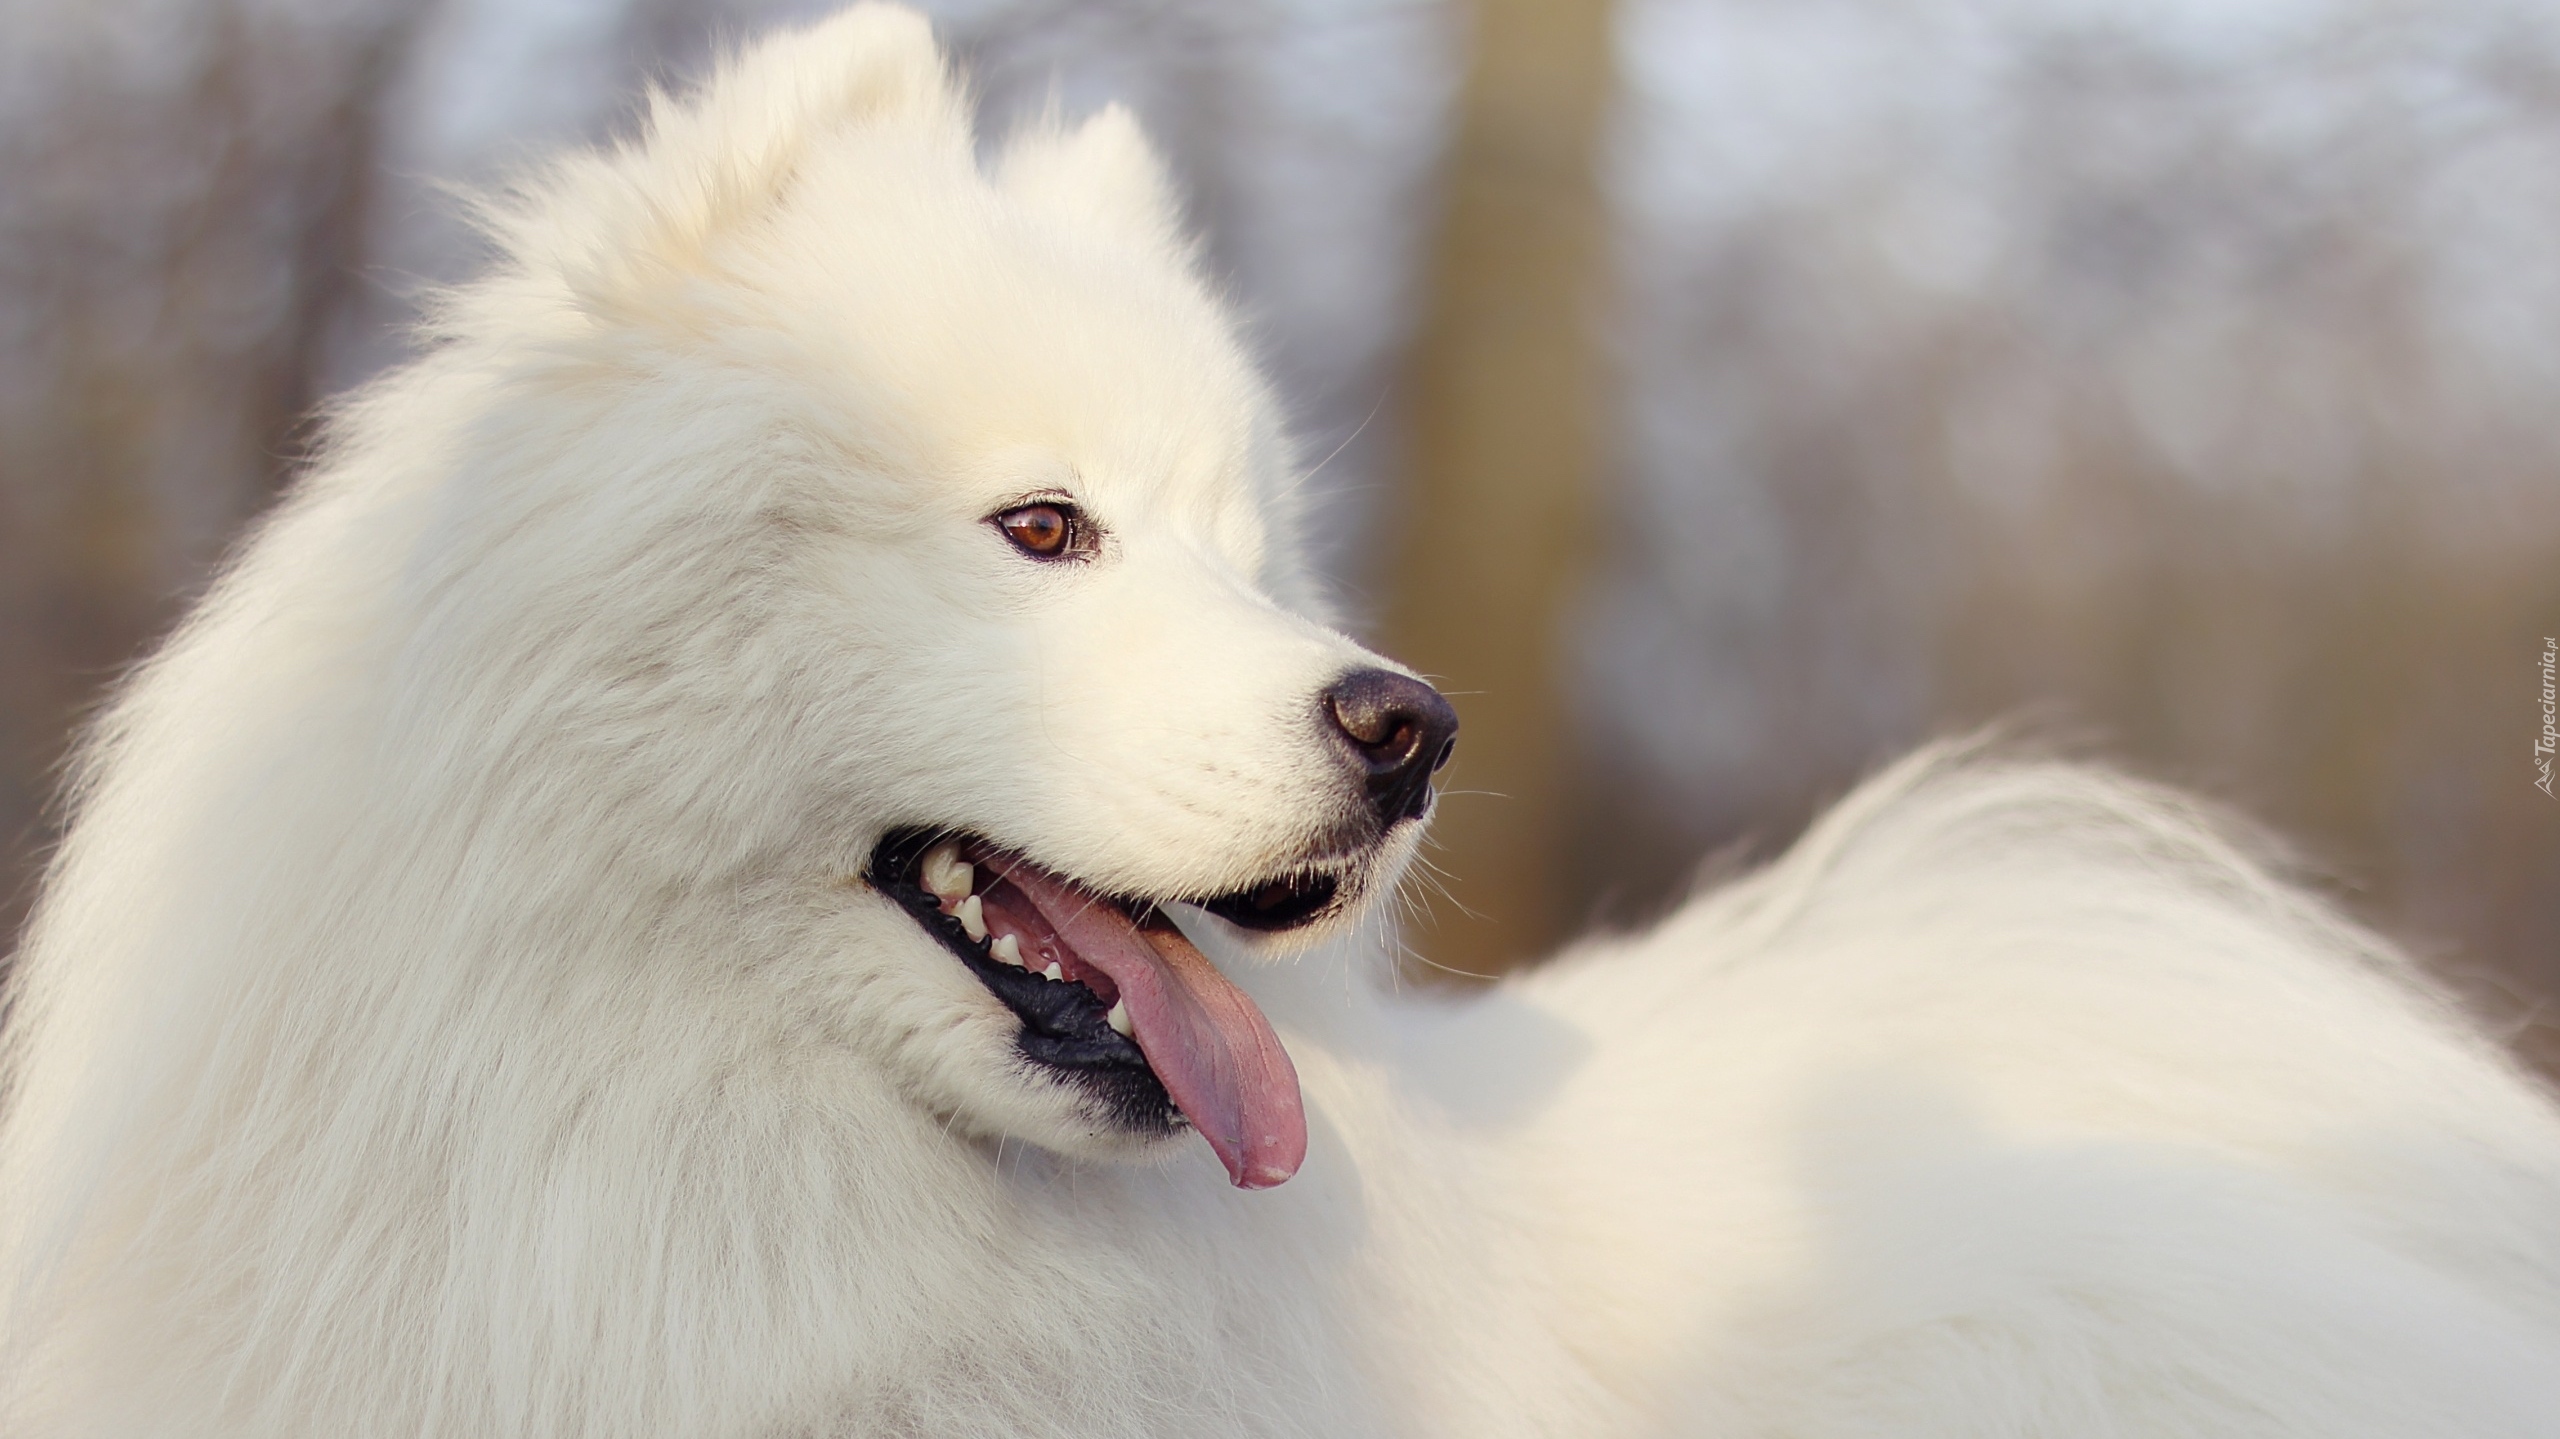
x=772, y=843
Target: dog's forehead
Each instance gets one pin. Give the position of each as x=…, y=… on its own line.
x=1003, y=349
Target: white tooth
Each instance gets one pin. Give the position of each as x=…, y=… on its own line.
x=1053, y=972
x=1119, y=1016
x=945, y=872
x=973, y=917
x=1007, y=949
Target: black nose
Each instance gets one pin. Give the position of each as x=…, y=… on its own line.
x=1400, y=730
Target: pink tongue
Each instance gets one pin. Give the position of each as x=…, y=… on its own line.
x=1203, y=1037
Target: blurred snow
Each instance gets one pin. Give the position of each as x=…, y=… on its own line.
x=156, y=201
x=2186, y=369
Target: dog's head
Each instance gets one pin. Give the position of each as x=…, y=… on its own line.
x=906, y=535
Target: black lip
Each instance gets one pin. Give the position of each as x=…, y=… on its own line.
x=1286, y=903
x=1065, y=1026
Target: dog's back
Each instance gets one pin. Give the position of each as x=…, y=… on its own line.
x=2021, y=1098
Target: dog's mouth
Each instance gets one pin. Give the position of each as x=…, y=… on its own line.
x=1111, y=993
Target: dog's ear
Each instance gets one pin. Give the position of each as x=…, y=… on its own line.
x=723, y=155
x=1102, y=177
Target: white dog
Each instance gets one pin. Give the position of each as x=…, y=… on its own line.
x=646, y=902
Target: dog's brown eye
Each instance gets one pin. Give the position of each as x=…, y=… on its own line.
x=1041, y=531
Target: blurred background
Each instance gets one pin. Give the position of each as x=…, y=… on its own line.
x=1716, y=396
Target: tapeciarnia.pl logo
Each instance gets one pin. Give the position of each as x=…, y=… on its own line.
x=2549, y=739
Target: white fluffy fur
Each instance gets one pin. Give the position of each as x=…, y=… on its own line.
x=450, y=1015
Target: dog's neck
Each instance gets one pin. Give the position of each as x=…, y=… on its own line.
x=578, y=1188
